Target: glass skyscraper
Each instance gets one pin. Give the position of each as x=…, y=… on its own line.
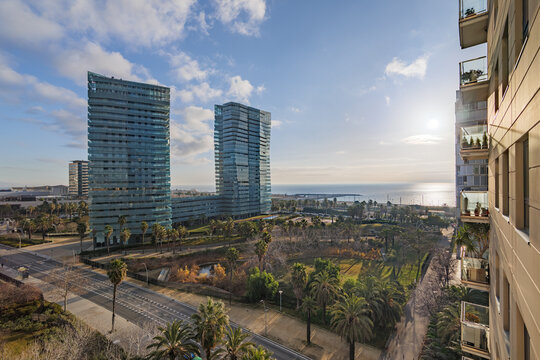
x=129, y=155
x=242, y=159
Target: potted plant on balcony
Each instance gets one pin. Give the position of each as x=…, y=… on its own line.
x=471, y=142
x=477, y=209
x=466, y=210
x=469, y=12
x=485, y=140
x=466, y=77
x=485, y=212
x=464, y=142
x=477, y=143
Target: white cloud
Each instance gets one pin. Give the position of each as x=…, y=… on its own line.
x=185, y=68
x=260, y=89
x=276, y=123
x=387, y=100
x=75, y=62
x=295, y=109
x=20, y=25
x=202, y=91
x=193, y=136
x=242, y=16
x=415, y=69
x=240, y=90
x=140, y=22
x=340, y=152
x=423, y=139
x=203, y=25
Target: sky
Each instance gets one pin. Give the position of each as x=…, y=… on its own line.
x=359, y=91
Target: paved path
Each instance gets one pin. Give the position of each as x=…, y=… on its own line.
x=407, y=342
x=134, y=303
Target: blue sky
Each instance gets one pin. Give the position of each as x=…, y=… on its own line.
x=359, y=91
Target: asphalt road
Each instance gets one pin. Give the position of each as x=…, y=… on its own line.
x=134, y=303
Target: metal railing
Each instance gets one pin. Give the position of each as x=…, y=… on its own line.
x=474, y=203
x=468, y=8
x=475, y=270
x=473, y=70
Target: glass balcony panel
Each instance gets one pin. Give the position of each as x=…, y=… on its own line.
x=474, y=137
x=474, y=204
x=472, y=7
x=474, y=314
x=473, y=71
x=474, y=270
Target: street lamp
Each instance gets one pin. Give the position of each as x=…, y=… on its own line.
x=146, y=274
x=280, y=292
x=265, y=319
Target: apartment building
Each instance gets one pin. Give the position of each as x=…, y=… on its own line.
x=508, y=78
x=78, y=179
x=129, y=155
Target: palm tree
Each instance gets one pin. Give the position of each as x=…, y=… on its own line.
x=144, y=229
x=28, y=226
x=350, y=319
x=182, y=233
x=210, y=322
x=116, y=273
x=108, y=233
x=124, y=238
x=81, y=229
x=121, y=222
x=309, y=305
x=232, y=256
x=324, y=288
x=298, y=280
x=257, y=353
x=234, y=344
x=176, y=341
x=44, y=224
x=261, y=247
x=449, y=323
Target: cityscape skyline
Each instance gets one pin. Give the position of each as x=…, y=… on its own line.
x=389, y=113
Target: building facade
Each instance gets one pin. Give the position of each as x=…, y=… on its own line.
x=242, y=159
x=129, y=155
x=508, y=78
x=195, y=208
x=78, y=178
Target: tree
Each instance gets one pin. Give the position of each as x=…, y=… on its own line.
x=176, y=341
x=309, y=305
x=228, y=229
x=350, y=319
x=324, y=288
x=124, y=237
x=81, y=229
x=44, y=224
x=246, y=229
x=210, y=322
x=116, y=273
x=108, y=233
x=65, y=280
x=182, y=233
x=144, y=229
x=234, y=344
x=122, y=221
x=299, y=281
x=258, y=353
x=261, y=285
x=28, y=226
x=261, y=247
x=157, y=234
x=232, y=256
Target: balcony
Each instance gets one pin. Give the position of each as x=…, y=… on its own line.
x=473, y=22
x=474, y=142
x=474, y=80
x=474, y=206
x=475, y=273
x=475, y=329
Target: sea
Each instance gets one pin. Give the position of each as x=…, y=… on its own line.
x=433, y=194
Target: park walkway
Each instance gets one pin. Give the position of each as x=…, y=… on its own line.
x=407, y=342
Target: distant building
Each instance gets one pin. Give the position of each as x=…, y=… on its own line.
x=129, y=155
x=242, y=155
x=195, y=208
x=56, y=190
x=78, y=178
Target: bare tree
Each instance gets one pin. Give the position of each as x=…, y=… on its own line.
x=67, y=279
x=444, y=266
x=134, y=340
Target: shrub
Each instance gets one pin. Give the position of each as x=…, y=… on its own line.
x=261, y=285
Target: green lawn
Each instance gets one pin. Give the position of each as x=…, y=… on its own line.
x=14, y=242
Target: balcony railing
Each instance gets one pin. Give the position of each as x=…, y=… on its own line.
x=473, y=71
x=474, y=137
x=468, y=8
x=474, y=328
x=474, y=206
x=475, y=272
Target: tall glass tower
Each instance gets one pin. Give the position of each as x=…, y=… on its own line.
x=242, y=155
x=129, y=155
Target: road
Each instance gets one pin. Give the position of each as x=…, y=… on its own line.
x=134, y=303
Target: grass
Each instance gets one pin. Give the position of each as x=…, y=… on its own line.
x=14, y=242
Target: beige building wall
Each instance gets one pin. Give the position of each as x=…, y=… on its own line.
x=514, y=117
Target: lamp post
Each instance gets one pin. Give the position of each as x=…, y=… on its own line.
x=265, y=319
x=146, y=273
x=280, y=292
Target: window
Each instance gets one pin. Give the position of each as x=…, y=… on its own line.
x=505, y=66
x=526, y=344
x=525, y=21
x=506, y=304
x=505, y=184
x=496, y=86
x=526, y=185
x=497, y=190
